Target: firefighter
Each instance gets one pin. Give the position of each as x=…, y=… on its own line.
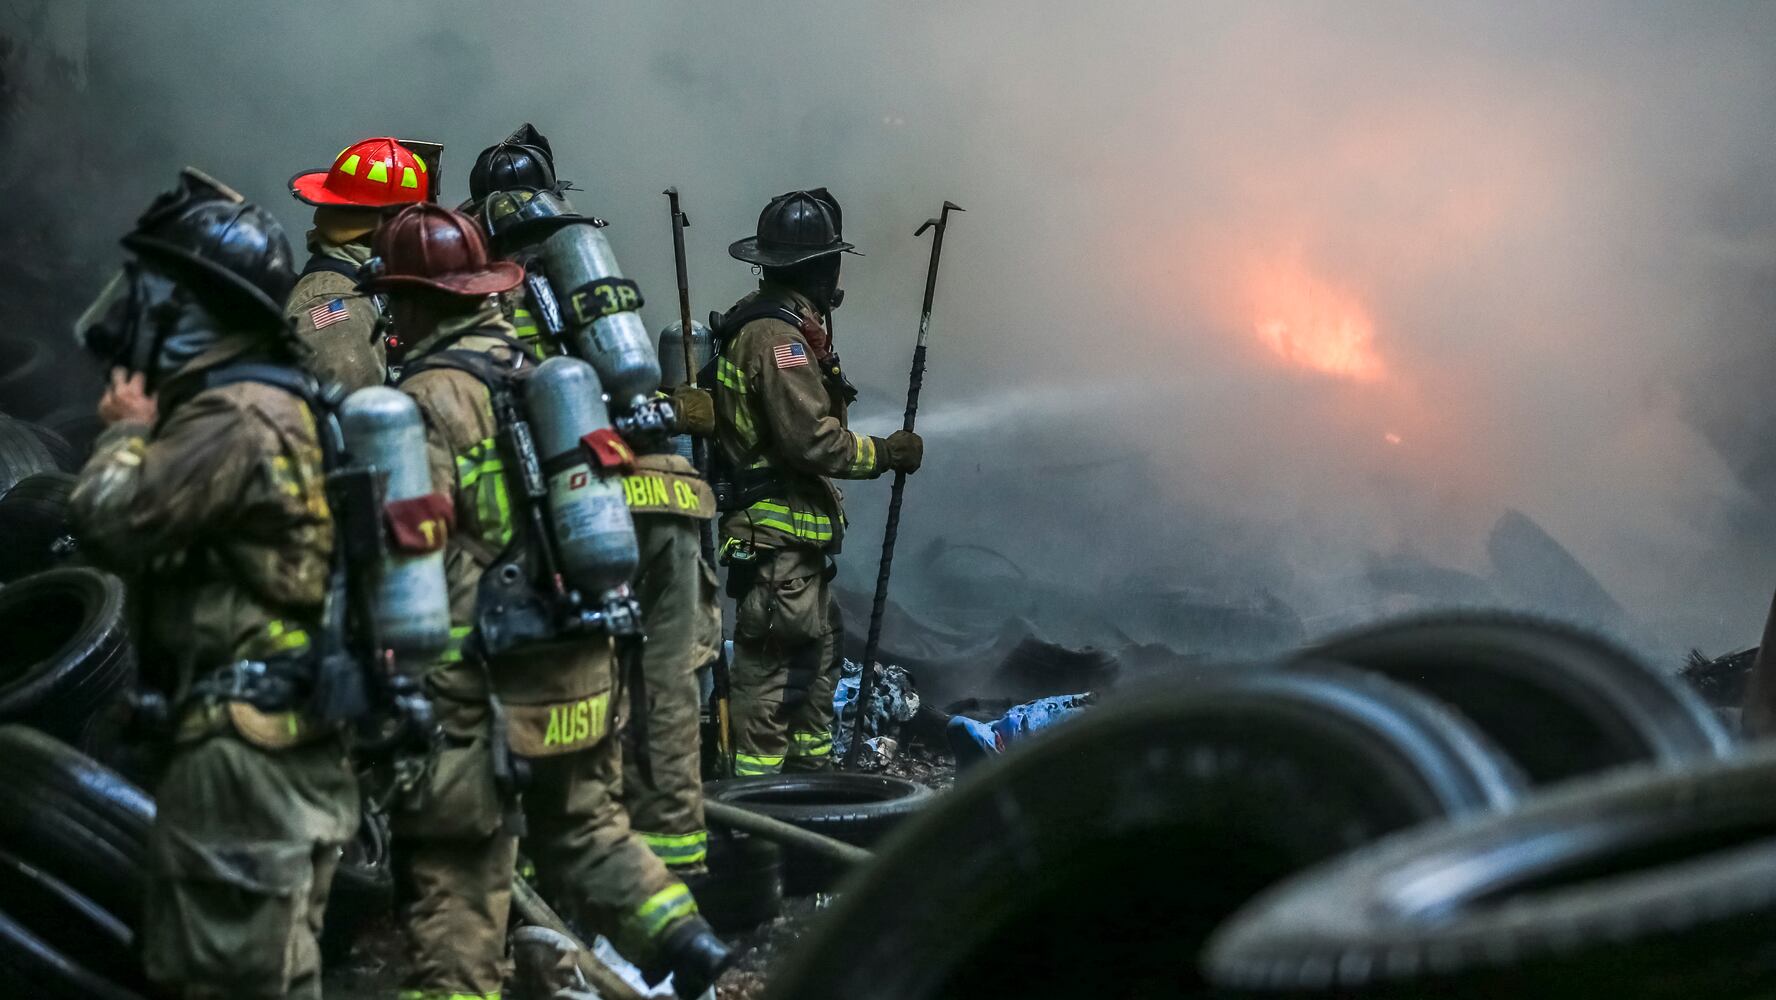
x=662, y=762
x=520, y=203
x=780, y=400
x=528, y=732
x=515, y=195
x=340, y=326
x=206, y=493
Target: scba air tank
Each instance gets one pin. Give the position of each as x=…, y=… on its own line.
x=598, y=306
x=672, y=373
x=594, y=537
x=408, y=597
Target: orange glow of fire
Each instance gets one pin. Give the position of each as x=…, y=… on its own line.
x=1310, y=323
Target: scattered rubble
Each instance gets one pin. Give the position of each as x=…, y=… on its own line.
x=1720, y=680
x=893, y=702
x=973, y=741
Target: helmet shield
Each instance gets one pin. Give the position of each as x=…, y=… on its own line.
x=432, y=155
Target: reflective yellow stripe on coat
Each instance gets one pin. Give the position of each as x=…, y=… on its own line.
x=481, y=474
x=803, y=524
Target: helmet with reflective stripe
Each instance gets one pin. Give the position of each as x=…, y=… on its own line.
x=206, y=231
x=374, y=173
x=430, y=246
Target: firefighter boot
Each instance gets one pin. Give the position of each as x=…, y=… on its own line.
x=694, y=956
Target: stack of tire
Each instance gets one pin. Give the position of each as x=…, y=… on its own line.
x=64, y=655
x=48, y=423
x=73, y=846
x=65, y=659
x=1101, y=859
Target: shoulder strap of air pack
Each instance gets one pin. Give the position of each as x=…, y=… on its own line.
x=723, y=330
x=322, y=398
x=479, y=364
x=497, y=378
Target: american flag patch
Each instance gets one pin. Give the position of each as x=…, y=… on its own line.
x=328, y=313
x=790, y=355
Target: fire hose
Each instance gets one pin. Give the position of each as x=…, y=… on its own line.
x=777, y=831
x=535, y=911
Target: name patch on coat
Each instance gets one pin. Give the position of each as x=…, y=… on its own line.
x=548, y=730
x=650, y=492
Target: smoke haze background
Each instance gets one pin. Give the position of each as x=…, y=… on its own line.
x=1549, y=233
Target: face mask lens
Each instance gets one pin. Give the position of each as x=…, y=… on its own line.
x=104, y=326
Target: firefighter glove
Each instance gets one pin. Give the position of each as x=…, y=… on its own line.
x=696, y=410
x=905, y=450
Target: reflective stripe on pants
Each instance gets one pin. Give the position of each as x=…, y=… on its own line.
x=808, y=744
x=665, y=908
x=748, y=765
x=678, y=849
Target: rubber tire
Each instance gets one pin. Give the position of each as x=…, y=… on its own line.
x=80, y=426
x=29, y=386
x=744, y=886
x=22, y=452
x=1563, y=702
x=858, y=809
x=70, y=923
x=31, y=968
x=363, y=887
x=1093, y=860
x=33, y=515
x=1645, y=883
x=67, y=658
x=75, y=819
x=58, y=448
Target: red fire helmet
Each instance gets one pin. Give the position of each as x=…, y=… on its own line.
x=374, y=173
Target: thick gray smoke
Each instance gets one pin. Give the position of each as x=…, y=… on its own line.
x=1248, y=300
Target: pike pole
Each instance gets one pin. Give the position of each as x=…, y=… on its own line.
x=724, y=739
x=872, y=645
x=679, y=222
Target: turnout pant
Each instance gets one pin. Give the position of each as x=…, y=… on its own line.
x=662, y=779
x=787, y=655
x=454, y=864
x=241, y=857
